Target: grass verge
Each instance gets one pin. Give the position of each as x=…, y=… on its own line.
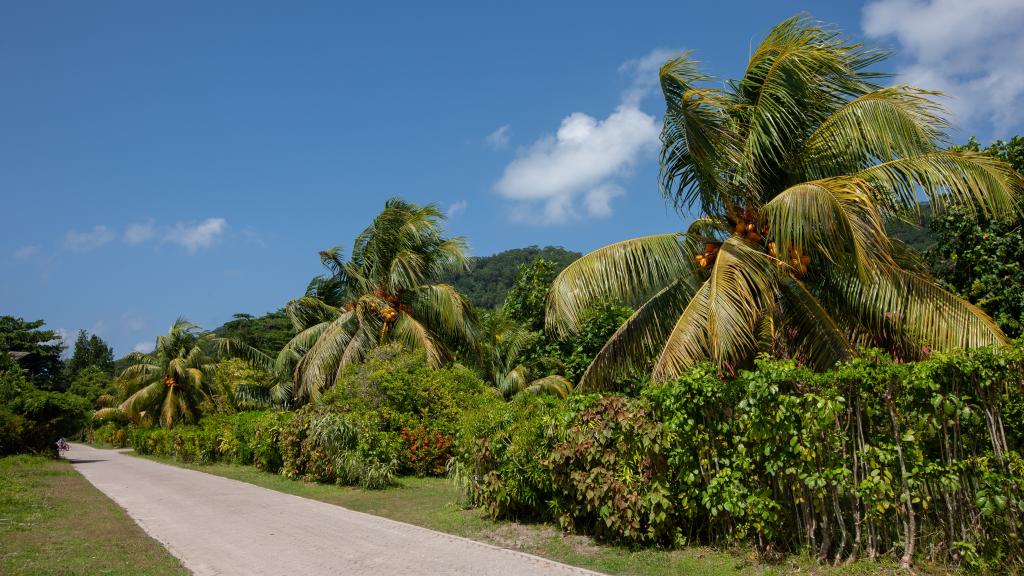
x=54, y=522
x=432, y=503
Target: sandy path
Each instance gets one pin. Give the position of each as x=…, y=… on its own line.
x=215, y=525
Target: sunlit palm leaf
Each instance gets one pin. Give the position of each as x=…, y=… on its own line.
x=634, y=346
x=630, y=272
x=965, y=178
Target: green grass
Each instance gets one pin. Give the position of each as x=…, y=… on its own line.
x=432, y=503
x=54, y=522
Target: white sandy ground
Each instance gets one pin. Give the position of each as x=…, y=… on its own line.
x=215, y=525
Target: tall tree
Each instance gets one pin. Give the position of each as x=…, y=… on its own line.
x=37, y=351
x=387, y=291
x=90, y=351
x=793, y=170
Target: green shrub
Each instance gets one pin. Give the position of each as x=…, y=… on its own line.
x=112, y=433
x=499, y=450
x=611, y=474
x=324, y=444
x=32, y=420
x=48, y=416
x=12, y=431
x=873, y=458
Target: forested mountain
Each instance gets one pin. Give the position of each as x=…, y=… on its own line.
x=491, y=276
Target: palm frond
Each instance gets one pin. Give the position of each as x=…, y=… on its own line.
x=899, y=301
x=720, y=322
x=834, y=219
x=963, y=178
x=554, y=384
x=444, y=310
x=696, y=141
x=636, y=343
x=630, y=271
x=886, y=124
x=417, y=336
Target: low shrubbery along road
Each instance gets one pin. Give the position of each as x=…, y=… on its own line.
x=220, y=526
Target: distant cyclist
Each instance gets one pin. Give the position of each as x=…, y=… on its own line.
x=62, y=445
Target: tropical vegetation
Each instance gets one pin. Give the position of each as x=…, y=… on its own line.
x=388, y=291
x=786, y=376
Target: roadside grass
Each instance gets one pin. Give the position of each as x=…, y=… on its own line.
x=433, y=503
x=54, y=522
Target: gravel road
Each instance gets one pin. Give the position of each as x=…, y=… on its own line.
x=215, y=525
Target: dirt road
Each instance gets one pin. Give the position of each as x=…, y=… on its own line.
x=220, y=526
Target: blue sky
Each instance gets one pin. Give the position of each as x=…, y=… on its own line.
x=191, y=158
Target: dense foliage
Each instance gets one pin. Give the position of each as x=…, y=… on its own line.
x=980, y=256
x=873, y=458
x=38, y=351
x=488, y=280
x=268, y=333
x=90, y=351
x=31, y=420
x=252, y=438
x=391, y=414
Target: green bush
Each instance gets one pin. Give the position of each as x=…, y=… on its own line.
x=112, y=433
x=873, y=458
x=251, y=438
x=323, y=444
x=611, y=474
x=499, y=450
x=33, y=420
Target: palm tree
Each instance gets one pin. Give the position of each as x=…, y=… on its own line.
x=167, y=385
x=502, y=352
x=792, y=170
x=387, y=291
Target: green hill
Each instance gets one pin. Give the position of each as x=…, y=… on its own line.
x=491, y=276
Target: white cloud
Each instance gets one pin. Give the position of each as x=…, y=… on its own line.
x=89, y=240
x=144, y=347
x=585, y=156
x=970, y=50
x=499, y=138
x=139, y=232
x=456, y=208
x=196, y=236
x=598, y=200
x=580, y=159
x=26, y=252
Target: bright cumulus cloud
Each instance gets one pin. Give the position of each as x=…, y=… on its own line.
x=196, y=236
x=579, y=161
x=972, y=51
x=572, y=173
